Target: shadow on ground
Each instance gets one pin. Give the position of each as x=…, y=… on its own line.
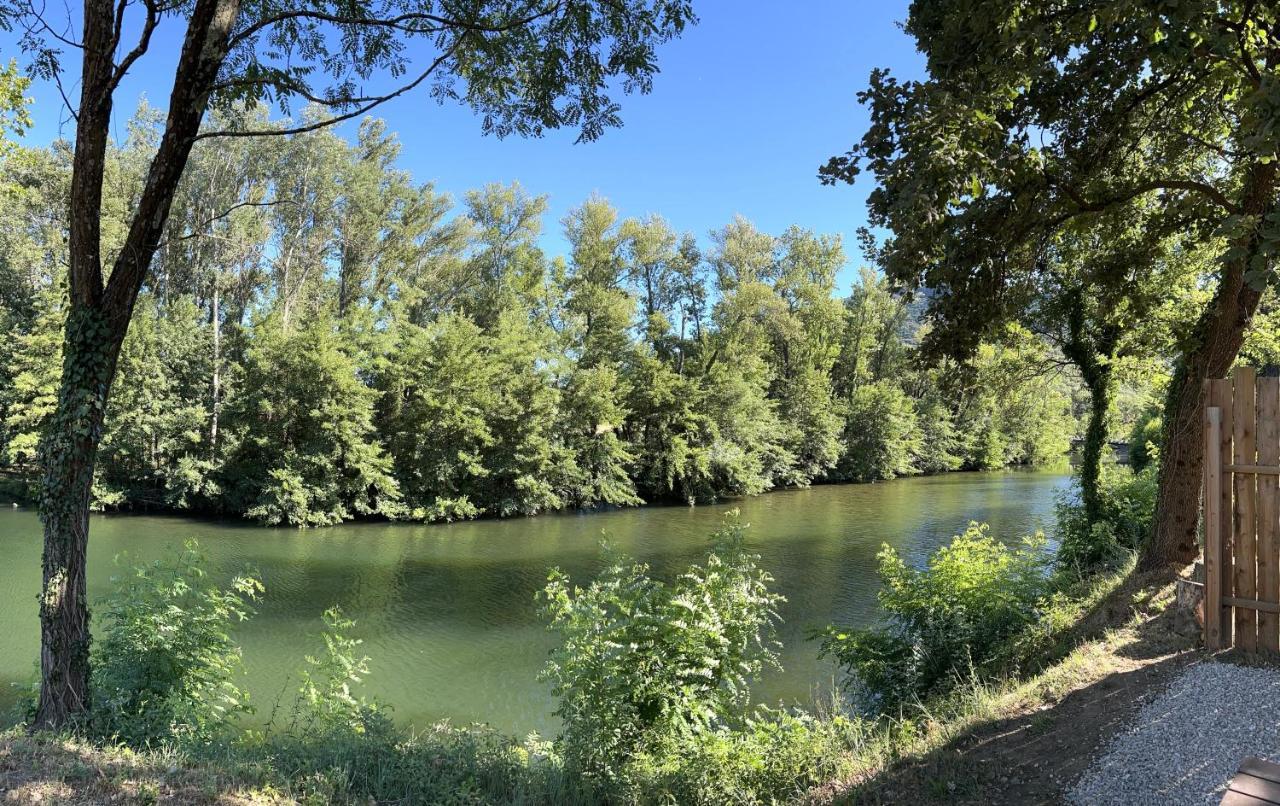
x=1041, y=740
x=49, y=770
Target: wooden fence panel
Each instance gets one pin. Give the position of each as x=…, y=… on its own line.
x=1268, y=511
x=1214, y=612
x=1221, y=397
x=1246, y=536
x=1242, y=512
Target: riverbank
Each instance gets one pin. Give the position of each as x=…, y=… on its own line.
x=449, y=613
x=1030, y=740
x=21, y=489
x=1021, y=741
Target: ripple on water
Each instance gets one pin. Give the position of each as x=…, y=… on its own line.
x=447, y=612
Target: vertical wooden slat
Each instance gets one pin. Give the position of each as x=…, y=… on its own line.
x=1220, y=396
x=1268, y=511
x=1212, y=524
x=1244, y=441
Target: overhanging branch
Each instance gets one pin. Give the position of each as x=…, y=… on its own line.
x=364, y=108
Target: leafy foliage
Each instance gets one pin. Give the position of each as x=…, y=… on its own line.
x=946, y=621
x=1143, y=438
x=14, y=116
x=1066, y=166
x=1126, y=515
x=313, y=464
x=882, y=434
x=325, y=700
x=164, y=662
x=643, y=666
x=347, y=344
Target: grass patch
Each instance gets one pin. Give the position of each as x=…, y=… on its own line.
x=1078, y=666
x=1023, y=739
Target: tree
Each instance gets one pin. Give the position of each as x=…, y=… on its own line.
x=871, y=343
x=600, y=311
x=217, y=257
x=881, y=434
x=14, y=116
x=1092, y=294
x=805, y=343
x=439, y=380
x=157, y=420
x=667, y=431
x=508, y=61
x=506, y=269
x=1049, y=113
x=749, y=451
x=31, y=394
x=33, y=184
x=527, y=467
x=309, y=455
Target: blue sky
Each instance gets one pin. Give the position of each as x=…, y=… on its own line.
x=748, y=104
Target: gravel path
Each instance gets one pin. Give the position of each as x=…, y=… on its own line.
x=1186, y=743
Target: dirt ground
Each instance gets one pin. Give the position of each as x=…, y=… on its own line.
x=1034, y=741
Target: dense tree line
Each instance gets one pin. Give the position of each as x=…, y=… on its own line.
x=320, y=338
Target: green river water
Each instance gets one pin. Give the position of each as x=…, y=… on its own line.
x=447, y=612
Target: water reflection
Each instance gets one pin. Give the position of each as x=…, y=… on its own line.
x=448, y=613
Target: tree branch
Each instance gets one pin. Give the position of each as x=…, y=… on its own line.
x=203, y=52
x=198, y=227
x=364, y=108
x=1098, y=205
x=39, y=16
x=399, y=23
x=144, y=40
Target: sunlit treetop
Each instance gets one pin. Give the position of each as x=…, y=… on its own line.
x=14, y=117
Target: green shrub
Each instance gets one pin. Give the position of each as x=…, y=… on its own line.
x=774, y=758
x=644, y=666
x=1128, y=506
x=325, y=701
x=1145, y=438
x=164, y=664
x=950, y=619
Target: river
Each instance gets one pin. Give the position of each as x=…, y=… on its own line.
x=447, y=612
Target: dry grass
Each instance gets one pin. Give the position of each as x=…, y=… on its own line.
x=49, y=770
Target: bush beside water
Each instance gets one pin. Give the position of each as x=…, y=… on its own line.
x=981, y=610
x=1128, y=513
x=652, y=678
x=953, y=618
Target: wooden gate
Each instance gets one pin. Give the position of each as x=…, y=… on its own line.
x=1242, y=512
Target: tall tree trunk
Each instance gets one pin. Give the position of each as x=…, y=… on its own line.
x=68, y=452
x=1091, y=349
x=215, y=408
x=1218, y=337
x=1095, y=442
x=70, y=443
x=96, y=325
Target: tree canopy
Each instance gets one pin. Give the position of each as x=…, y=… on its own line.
x=1037, y=118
